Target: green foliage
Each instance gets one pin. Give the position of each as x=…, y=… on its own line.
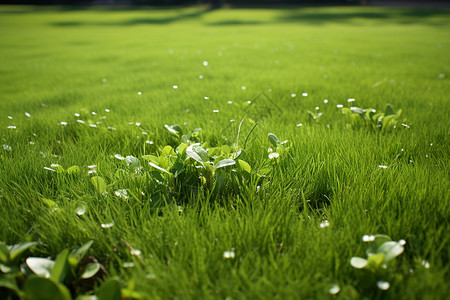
x=370, y=118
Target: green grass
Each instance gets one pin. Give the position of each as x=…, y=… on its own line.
x=58, y=62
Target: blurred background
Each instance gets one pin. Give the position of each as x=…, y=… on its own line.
x=224, y=3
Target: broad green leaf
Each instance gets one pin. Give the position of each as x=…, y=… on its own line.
x=73, y=170
x=78, y=254
x=358, y=262
x=159, y=168
x=181, y=148
x=5, y=268
x=244, y=166
x=192, y=153
x=224, y=163
x=99, y=184
x=37, y=288
x=358, y=110
x=40, y=266
x=154, y=159
x=389, y=110
x=109, y=290
x=9, y=283
x=90, y=270
x=17, y=250
x=391, y=249
x=379, y=239
x=388, y=120
x=202, y=153
x=273, y=139
x=225, y=149
x=4, y=253
x=164, y=162
x=167, y=151
x=174, y=129
x=375, y=260
x=61, y=267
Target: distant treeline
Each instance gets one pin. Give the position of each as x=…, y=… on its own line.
x=215, y=3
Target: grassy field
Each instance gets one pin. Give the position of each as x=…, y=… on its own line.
x=87, y=88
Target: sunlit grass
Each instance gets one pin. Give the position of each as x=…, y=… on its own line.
x=294, y=238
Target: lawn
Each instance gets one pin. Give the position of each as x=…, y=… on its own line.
x=85, y=95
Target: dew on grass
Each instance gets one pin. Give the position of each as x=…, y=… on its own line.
x=92, y=125
x=94, y=113
x=317, y=108
x=230, y=102
x=119, y=157
x=402, y=242
x=49, y=169
x=149, y=142
x=324, y=224
x=382, y=167
x=63, y=123
x=205, y=63
x=215, y=110
x=31, y=143
x=112, y=128
x=175, y=87
x=77, y=114
x=325, y=101
x=107, y=225
x=139, y=93
x=7, y=147
x=305, y=94
x=425, y=264
x=92, y=166
x=206, y=98
x=104, y=80
x=293, y=95
x=200, y=76
x=81, y=209
x=299, y=125
x=107, y=110
x=334, y=289
x=144, y=133
x=92, y=172
x=28, y=115
x=12, y=127
x=368, y=238
x=228, y=254
x=130, y=123
x=249, y=102
x=122, y=193
x=243, y=88
x=383, y=285
x=431, y=144
x=405, y=125
x=351, y=100
x=339, y=106
x=9, y=117
x=54, y=165
x=81, y=121
x=138, y=124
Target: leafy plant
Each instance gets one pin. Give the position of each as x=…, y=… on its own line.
x=72, y=272
x=380, y=254
x=370, y=118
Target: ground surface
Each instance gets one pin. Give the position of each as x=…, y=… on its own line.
x=78, y=87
